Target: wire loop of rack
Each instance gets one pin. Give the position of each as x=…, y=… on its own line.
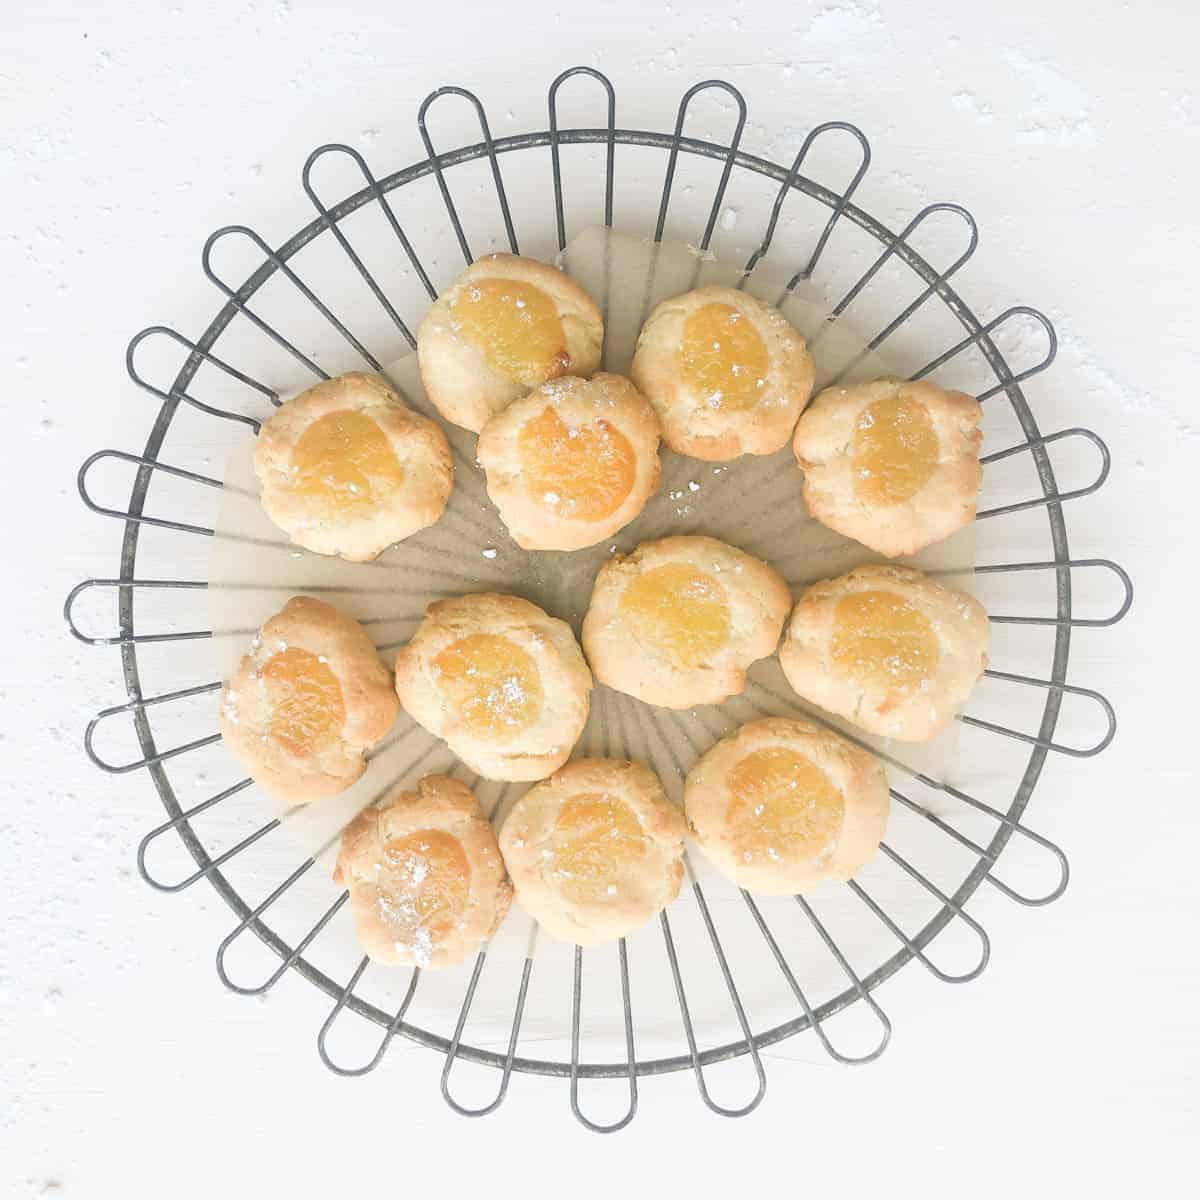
x=936, y=282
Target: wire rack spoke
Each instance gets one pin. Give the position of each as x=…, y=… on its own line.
x=900, y=246
x=1071, y=564
x=194, y=351
x=984, y=334
x=275, y=262
x=1015, y=826
x=915, y=946
x=494, y=162
x=393, y=1026
x=207, y=869
x=250, y=921
x=790, y=184
x=141, y=704
x=673, y=158
x=174, y=824
x=686, y=1016
x=1053, y=497
x=344, y=242
x=1060, y=689
x=990, y=856
x=131, y=584
x=456, y=1040
x=859, y=989
x=146, y=465
x=797, y=991
x=139, y=764
x=330, y=218
x=630, y=1052
x=610, y=146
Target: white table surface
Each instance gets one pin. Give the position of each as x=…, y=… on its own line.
x=129, y=131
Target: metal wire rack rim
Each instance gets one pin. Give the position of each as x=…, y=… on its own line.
x=790, y=179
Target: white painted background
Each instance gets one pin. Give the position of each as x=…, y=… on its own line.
x=128, y=131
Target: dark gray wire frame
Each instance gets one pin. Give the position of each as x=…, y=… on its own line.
x=493, y=148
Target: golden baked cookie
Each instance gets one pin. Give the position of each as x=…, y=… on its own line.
x=347, y=468
x=781, y=805
x=677, y=622
x=306, y=702
x=727, y=373
x=502, y=682
x=505, y=326
x=888, y=649
x=427, y=883
x=594, y=851
x=893, y=465
x=572, y=462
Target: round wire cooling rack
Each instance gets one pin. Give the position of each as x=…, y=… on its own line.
x=837, y=211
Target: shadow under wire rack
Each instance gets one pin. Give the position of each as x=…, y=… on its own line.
x=838, y=210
